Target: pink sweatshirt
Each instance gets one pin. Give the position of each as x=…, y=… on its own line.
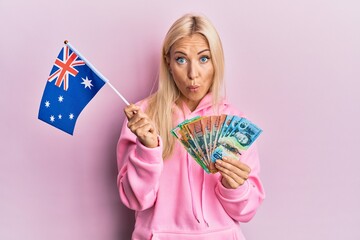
x=176, y=199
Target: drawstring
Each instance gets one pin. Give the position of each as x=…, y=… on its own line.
x=189, y=177
x=191, y=192
x=203, y=199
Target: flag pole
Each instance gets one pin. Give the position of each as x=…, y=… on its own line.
x=66, y=42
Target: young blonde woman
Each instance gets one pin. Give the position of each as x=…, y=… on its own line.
x=173, y=197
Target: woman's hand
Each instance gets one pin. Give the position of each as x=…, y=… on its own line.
x=142, y=126
x=234, y=173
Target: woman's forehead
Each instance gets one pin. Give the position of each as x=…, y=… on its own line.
x=195, y=42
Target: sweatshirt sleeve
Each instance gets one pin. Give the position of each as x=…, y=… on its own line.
x=241, y=203
x=139, y=171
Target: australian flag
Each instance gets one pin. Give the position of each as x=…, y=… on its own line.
x=72, y=83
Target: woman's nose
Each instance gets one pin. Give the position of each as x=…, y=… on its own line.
x=193, y=71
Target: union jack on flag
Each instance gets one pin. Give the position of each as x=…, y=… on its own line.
x=71, y=85
x=66, y=63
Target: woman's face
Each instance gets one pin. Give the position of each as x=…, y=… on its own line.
x=192, y=69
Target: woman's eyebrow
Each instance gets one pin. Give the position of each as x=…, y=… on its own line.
x=197, y=53
x=203, y=51
x=180, y=52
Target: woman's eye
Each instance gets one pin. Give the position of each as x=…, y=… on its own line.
x=180, y=60
x=204, y=59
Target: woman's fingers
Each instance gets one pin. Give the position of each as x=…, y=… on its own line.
x=131, y=110
x=147, y=135
x=237, y=164
x=233, y=171
x=144, y=129
x=141, y=125
x=137, y=121
x=230, y=182
x=135, y=115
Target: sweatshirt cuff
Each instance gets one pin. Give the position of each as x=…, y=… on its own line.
x=149, y=155
x=237, y=193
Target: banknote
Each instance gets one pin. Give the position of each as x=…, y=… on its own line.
x=226, y=124
x=234, y=121
x=187, y=144
x=237, y=139
x=219, y=125
x=181, y=133
x=184, y=137
x=196, y=132
x=206, y=128
x=215, y=128
x=209, y=138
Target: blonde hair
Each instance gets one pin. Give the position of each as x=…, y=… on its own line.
x=160, y=104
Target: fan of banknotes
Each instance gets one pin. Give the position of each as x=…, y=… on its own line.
x=210, y=138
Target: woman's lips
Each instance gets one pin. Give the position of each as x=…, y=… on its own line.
x=193, y=88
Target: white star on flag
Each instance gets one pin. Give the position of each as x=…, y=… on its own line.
x=87, y=82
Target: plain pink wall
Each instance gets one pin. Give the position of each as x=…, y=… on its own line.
x=292, y=67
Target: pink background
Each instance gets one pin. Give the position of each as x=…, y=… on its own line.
x=292, y=67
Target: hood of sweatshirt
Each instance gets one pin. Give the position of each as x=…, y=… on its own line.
x=205, y=107
x=176, y=196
